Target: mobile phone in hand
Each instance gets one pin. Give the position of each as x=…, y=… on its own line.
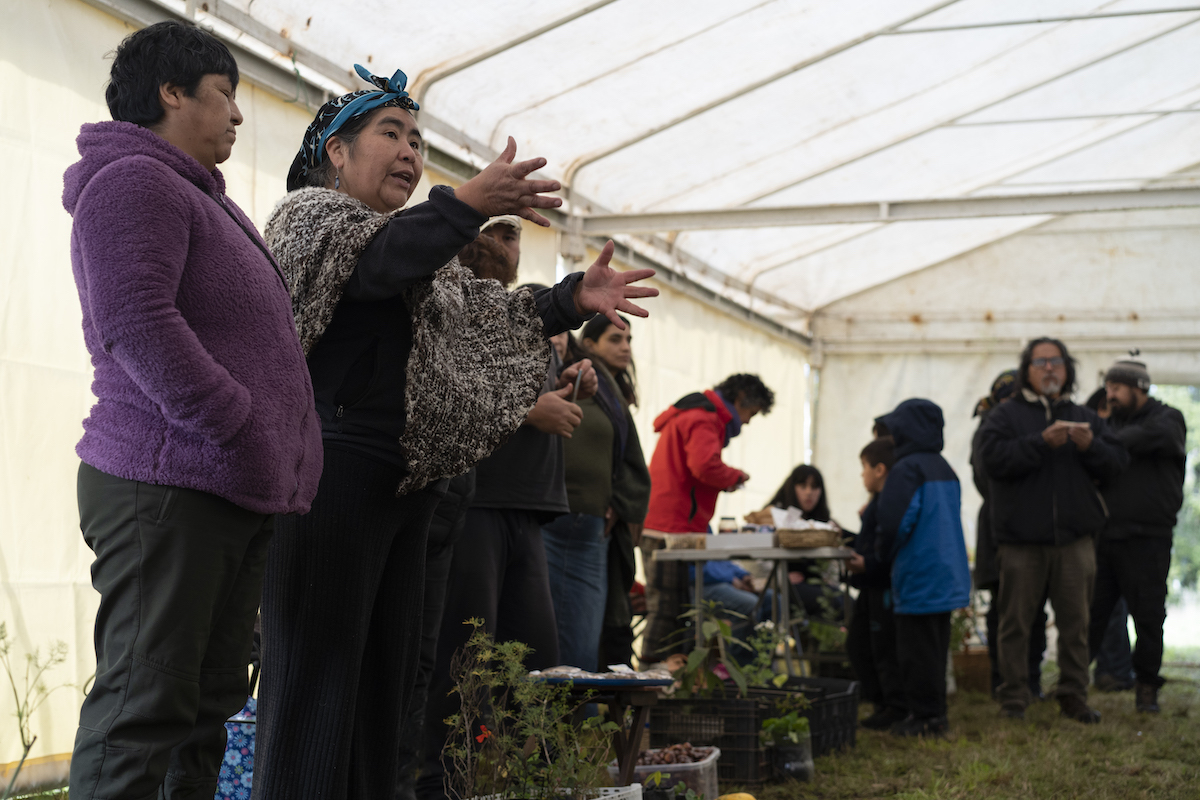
x=578, y=378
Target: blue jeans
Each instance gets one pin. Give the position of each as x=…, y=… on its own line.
x=577, y=557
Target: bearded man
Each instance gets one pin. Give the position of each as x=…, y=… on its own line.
x=1134, y=553
x=1045, y=456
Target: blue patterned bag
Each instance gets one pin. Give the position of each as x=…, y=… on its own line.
x=237, y=770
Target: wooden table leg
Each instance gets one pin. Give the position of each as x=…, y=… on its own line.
x=627, y=751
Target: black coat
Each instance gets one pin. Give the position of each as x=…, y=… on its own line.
x=878, y=574
x=1145, y=499
x=987, y=570
x=1040, y=495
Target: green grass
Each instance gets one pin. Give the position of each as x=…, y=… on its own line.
x=1128, y=755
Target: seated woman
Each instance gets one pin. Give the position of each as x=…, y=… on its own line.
x=804, y=489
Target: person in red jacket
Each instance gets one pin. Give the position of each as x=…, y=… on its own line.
x=686, y=476
x=686, y=472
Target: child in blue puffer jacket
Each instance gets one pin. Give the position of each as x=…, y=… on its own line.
x=919, y=532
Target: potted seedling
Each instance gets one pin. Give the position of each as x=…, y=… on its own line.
x=788, y=741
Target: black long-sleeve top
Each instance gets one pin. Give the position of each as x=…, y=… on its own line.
x=358, y=367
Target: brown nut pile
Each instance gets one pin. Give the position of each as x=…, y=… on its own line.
x=675, y=754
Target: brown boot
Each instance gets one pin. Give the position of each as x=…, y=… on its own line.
x=1146, y=698
x=1076, y=708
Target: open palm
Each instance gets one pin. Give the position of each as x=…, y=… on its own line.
x=605, y=291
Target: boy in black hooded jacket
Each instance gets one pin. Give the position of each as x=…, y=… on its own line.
x=871, y=640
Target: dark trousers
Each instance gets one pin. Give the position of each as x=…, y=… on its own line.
x=871, y=648
x=1135, y=569
x=499, y=575
x=341, y=630
x=1037, y=643
x=179, y=573
x=444, y=532
x=616, y=635
x=922, y=644
x=1028, y=574
x=1115, y=656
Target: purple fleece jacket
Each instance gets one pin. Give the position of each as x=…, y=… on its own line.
x=199, y=376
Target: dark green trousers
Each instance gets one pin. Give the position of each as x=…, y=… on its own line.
x=180, y=577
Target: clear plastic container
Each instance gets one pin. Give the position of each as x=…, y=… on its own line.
x=700, y=776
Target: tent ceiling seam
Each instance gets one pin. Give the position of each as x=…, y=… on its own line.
x=428, y=77
x=893, y=211
x=1067, y=153
x=975, y=110
x=818, y=312
x=1045, y=20
x=1076, y=118
x=543, y=100
x=574, y=167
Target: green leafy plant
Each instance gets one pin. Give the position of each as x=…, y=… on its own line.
x=29, y=692
x=760, y=670
x=962, y=627
x=787, y=728
x=514, y=736
x=699, y=676
x=680, y=789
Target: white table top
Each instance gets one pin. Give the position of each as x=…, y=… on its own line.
x=759, y=553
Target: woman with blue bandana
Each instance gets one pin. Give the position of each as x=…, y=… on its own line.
x=419, y=370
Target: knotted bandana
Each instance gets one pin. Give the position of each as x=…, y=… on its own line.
x=337, y=112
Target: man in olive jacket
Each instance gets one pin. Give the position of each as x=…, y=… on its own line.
x=1044, y=456
x=1134, y=553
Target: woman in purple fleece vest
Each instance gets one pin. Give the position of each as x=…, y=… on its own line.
x=204, y=426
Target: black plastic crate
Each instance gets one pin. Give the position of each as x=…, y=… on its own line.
x=728, y=723
x=832, y=712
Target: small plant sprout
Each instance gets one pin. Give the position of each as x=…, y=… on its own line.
x=29, y=692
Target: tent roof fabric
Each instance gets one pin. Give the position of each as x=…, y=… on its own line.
x=647, y=106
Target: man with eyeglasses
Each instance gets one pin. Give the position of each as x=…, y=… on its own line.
x=1045, y=457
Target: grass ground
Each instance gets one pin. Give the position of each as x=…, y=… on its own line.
x=1128, y=755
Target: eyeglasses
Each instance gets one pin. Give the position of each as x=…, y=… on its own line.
x=1042, y=363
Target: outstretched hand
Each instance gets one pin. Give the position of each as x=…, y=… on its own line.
x=502, y=188
x=605, y=291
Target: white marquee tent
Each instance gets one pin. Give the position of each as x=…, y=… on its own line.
x=862, y=201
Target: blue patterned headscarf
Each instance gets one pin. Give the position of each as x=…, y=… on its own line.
x=337, y=112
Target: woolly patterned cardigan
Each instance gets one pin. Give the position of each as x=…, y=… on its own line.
x=479, y=353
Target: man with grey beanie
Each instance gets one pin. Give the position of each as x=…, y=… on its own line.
x=1134, y=550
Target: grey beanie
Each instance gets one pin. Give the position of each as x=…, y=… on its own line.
x=1130, y=372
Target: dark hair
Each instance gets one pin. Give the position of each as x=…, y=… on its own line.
x=1098, y=401
x=174, y=52
x=880, y=428
x=879, y=451
x=801, y=475
x=626, y=379
x=1027, y=360
x=753, y=391
x=574, y=351
x=486, y=258
x=322, y=174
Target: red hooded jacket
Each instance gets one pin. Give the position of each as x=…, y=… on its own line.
x=686, y=471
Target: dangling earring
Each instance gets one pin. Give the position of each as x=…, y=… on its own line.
x=337, y=181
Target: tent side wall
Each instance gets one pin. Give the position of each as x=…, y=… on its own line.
x=1103, y=283
x=45, y=374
